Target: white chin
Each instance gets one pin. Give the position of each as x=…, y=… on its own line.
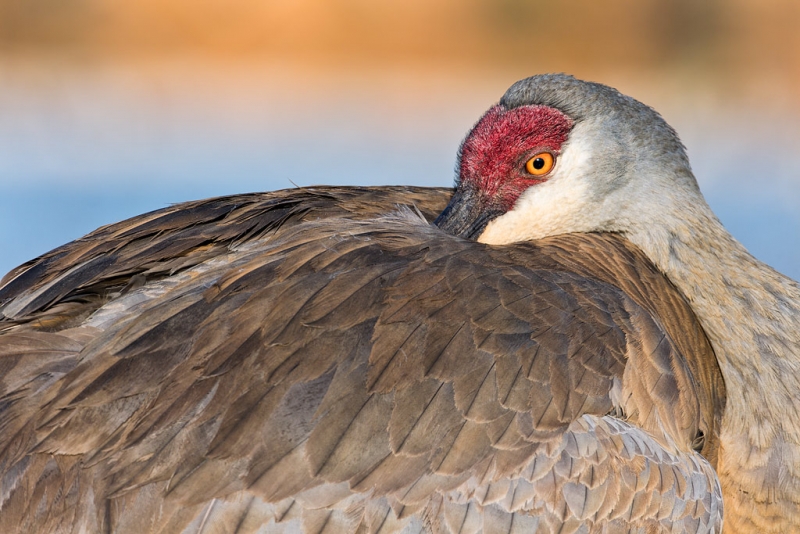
x=552, y=208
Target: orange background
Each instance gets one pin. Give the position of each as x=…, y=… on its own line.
x=750, y=43
x=110, y=108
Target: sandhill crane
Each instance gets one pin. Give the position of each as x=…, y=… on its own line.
x=576, y=345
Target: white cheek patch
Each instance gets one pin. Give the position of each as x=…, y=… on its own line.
x=558, y=206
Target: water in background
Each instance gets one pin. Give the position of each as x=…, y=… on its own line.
x=80, y=148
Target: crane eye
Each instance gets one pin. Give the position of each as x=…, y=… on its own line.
x=540, y=164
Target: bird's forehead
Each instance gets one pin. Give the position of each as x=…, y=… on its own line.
x=519, y=128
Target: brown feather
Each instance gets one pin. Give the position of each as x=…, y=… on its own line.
x=301, y=359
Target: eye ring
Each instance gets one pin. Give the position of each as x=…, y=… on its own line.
x=540, y=164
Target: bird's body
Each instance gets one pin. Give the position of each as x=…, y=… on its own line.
x=297, y=348
x=315, y=360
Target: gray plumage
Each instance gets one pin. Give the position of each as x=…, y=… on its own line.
x=284, y=359
x=605, y=357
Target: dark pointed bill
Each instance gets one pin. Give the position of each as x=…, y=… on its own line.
x=466, y=215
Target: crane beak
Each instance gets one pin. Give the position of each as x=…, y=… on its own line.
x=467, y=214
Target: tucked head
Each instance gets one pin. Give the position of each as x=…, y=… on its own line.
x=560, y=155
x=510, y=150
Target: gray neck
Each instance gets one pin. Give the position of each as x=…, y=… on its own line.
x=751, y=314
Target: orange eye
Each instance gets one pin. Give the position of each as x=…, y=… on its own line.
x=540, y=164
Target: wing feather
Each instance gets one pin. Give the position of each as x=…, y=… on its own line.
x=289, y=361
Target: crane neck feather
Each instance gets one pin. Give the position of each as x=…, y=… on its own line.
x=751, y=314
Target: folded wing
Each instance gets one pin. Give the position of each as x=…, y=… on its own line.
x=317, y=361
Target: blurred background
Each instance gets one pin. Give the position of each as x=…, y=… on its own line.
x=109, y=109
